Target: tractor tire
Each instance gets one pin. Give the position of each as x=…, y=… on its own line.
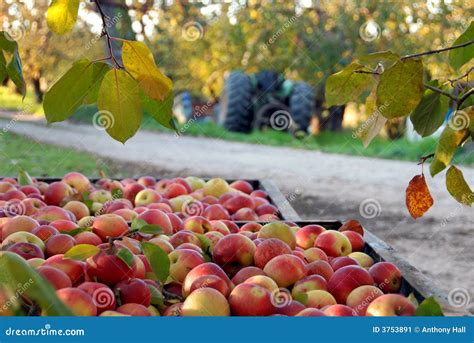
x=235, y=112
x=302, y=106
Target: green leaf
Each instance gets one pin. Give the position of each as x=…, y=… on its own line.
x=18, y=275
x=158, y=259
x=3, y=67
x=150, y=229
x=400, y=88
x=7, y=43
x=385, y=58
x=138, y=61
x=346, y=85
x=82, y=252
x=413, y=299
x=429, y=115
x=161, y=111
x=156, y=296
x=117, y=193
x=68, y=93
x=15, y=72
x=74, y=232
x=459, y=57
x=137, y=224
x=99, y=70
x=458, y=187
x=126, y=256
x=429, y=307
x=206, y=246
x=62, y=15
x=24, y=178
x=451, y=138
x=119, y=95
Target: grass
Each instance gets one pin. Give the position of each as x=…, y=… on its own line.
x=42, y=159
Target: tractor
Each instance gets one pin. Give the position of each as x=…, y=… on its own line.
x=265, y=100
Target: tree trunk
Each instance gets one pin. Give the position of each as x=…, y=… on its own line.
x=38, y=91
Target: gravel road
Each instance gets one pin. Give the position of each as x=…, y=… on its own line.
x=320, y=185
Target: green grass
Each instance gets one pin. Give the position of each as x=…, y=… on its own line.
x=11, y=101
x=42, y=159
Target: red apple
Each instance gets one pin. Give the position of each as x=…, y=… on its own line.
x=269, y=249
x=357, y=241
x=182, y=261
x=57, y=192
x=245, y=273
x=286, y=269
x=306, y=236
x=346, y=279
x=339, y=310
x=361, y=297
x=233, y=252
x=108, y=268
x=26, y=250
x=205, y=302
x=44, y=232
x=133, y=291
x=102, y=296
x=135, y=310
x=248, y=299
x=391, y=305
x=73, y=268
x=78, y=301
x=333, y=243
x=109, y=225
x=56, y=277
x=386, y=276
x=207, y=268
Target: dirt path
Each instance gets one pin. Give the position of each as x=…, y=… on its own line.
x=321, y=185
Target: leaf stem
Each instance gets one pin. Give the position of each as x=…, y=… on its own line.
x=106, y=34
x=440, y=91
x=437, y=51
x=464, y=98
x=466, y=74
x=424, y=158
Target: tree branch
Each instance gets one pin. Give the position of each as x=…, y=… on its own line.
x=432, y=52
x=106, y=34
x=464, y=97
x=466, y=74
x=440, y=91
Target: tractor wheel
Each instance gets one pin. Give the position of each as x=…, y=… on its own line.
x=302, y=101
x=235, y=112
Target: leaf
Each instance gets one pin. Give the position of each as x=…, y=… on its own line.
x=7, y=43
x=68, y=93
x=151, y=229
x=12, y=61
x=82, y=252
x=138, y=61
x=454, y=134
x=374, y=123
x=429, y=307
x=206, y=246
x=158, y=259
x=3, y=67
x=460, y=56
x=17, y=275
x=346, y=85
x=413, y=299
x=161, y=111
x=74, y=232
x=24, y=178
x=385, y=58
x=126, y=256
x=458, y=187
x=400, y=88
x=430, y=113
x=156, y=296
x=62, y=15
x=418, y=197
x=119, y=95
x=99, y=70
x=137, y=223
x=117, y=193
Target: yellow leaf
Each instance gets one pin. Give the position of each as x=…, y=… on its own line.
x=62, y=15
x=458, y=187
x=418, y=197
x=138, y=61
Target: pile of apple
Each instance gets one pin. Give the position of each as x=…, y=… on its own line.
x=214, y=266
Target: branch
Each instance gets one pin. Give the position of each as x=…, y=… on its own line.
x=432, y=52
x=466, y=74
x=424, y=158
x=106, y=34
x=464, y=98
x=440, y=91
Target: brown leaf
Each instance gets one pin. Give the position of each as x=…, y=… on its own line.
x=418, y=197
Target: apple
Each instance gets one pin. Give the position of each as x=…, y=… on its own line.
x=5, y=187
x=251, y=227
x=135, y=310
x=175, y=189
x=52, y=213
x=280, y=231
x=245, y=273
x=386, y=276
x=233, y=252
x=57, y=192
x=286, y=269
x=86, y=222
x=266, y=209
x=133, y=291
x=197, y=224
x=109, y=225
x=162, y=243
x=87, y=237
x=127, y=214
x=309, y=283
x=101, y=196
x=44, y=232
x=243, y=186
x=31, y=205
x=249, y=299
x=207, y=268
x=339, y=310
x=182, y=261
x=111, y=313
x=216, y=212
x=102, y=296
x=190, y=246
x=245, y=214
x=342, y=261
x=63, y=225
x=346, y=279
x=210, y=200
x=159, y=218
x=263, y=281
x=131, y=190
x=147, y=196
x=78, y=301
x=173, y=310
x=357, y=241
x=311, y=312
x=363, y=259
x=73, y=268
x=59, y=244
x=205, y=302
x=306, y=236
x=352, y=225
x=219, y=226
x=22, y=237
x=130, y=243
x=233, y=227
x=216, y=187
x=314, y=254
x=211, y=281
x=391, y=305
x=77, y=181
x=291, y=308
x=17, y=224
x=108, y=268
x=14, y=194
x=238, y=202
x=26, y=250
x=180, y=201
x=318, y=299
x=333, y=243
x=361, y=297
x=184, y=236
x=36, y=262
x=56, y=277
x=268, y=249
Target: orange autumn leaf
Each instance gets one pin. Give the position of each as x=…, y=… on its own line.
x=418, y=197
